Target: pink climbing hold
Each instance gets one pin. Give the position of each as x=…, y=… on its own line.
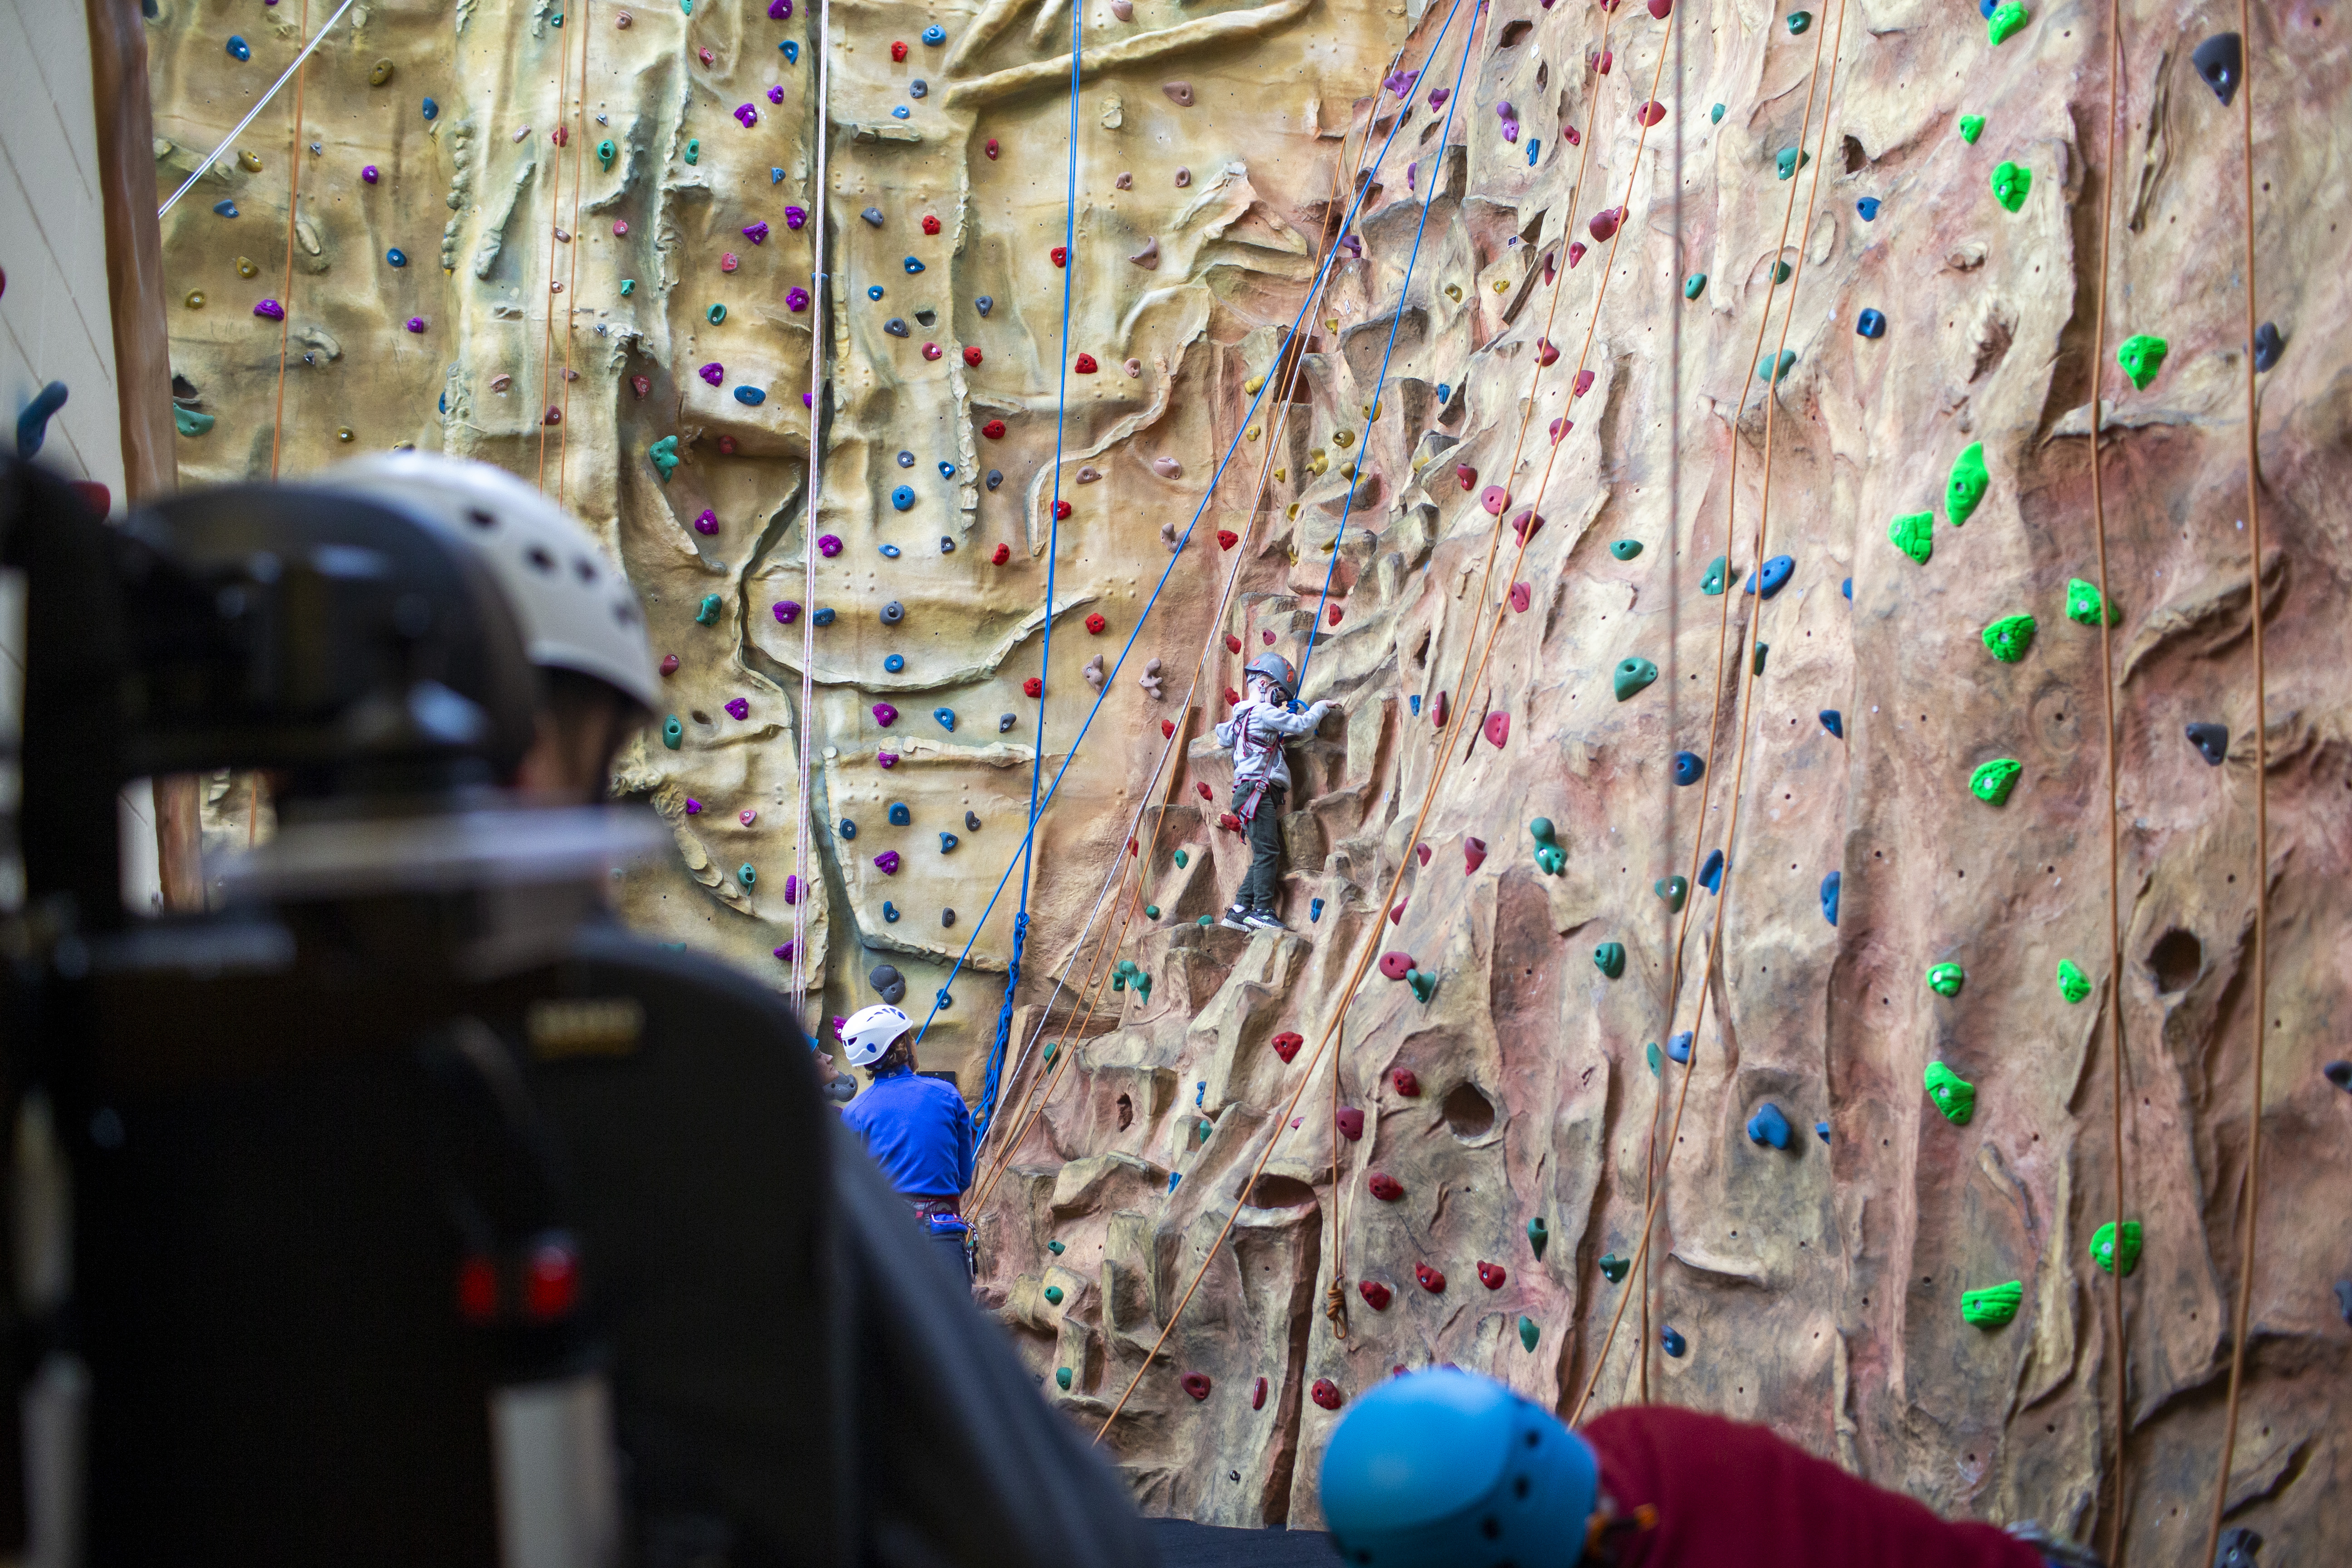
x=1396, y=915
x=1196, y=1384
x=641, y=384
x=887, y=862
x=1431, y=1279
x=1522, y=595
x=796, y=298
x=1493, y=498
x=714, y=372
x=795, y=216
x=1385, y=1187
x=707, y=521
x=747, y=115
x=1376, y=1295
x=1422, y=851
x=1473, y=854
x=1465, y=475
x=270, y=310
x=1491, y=1275
x=932, y=351
x=757, y=233
x=747, y=817
x=1559, y=429
x=788, y=610
x=727, y=262
x=1569, y=133
x=1547, y=352
x=1352, y=1123
x=1662, y=9
x=1498, y=729
x=1406, y=1083
x=1604, y=223
x=1437, y=710
x=738, y=707
x=885, y=715
x=620, y=228
x=1326, y=1394
x=828, y=545
x=1395, y=964
x=1583, y=382
x=991, y=149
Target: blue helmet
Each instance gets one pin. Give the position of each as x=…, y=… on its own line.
x=1446, y=1469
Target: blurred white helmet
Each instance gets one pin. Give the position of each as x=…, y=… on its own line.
x=872, y=1031
x=577, y=609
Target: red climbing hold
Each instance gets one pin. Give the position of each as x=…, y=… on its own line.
x=1196, y=1384
x=1432, y=1280
x=1206, y=792
x=1325, y=1393
x=1467, y=475
x=1604, y=223
x=1376, y=1295
x=1498, y=730
x=1061, y=256
x=971, y=355
x=1575, y=253
x=1085, y=365
x=1095, y=625
x=1406, y=1084
x=670, y=663
x=1569, y=133
x=993, y=430
x=1522, y=595
x=1662, y=9
x=1602, y=62
x=1583, y=382
x=1227, y=539
x=1232, y=697
x=1527, y=525
x=1651, y=113
x=1559, y=429
x=1229, y=821
x=1233, y=643
x=898, y=50
x=931, y=350
x=1004, y=553
x=992, y=149
x=1473, y=854
x=931, y=224
x=1394, y=964
x=1491, y=1276
x=1547, y=352
x=1331, y=613
x=1385, y=1187
x=1396, y=915
x=1352, y=1123
x=1033, y=687
x=1257, y=1395
x=1422, y=850
x=1061, y=511
x=1167, y=728
x=1286, y=1044
x=641, y=384
x=1437, y=710
x=1493, y=498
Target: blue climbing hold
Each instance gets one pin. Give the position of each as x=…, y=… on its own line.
x=1848, y=590
x=901, y=112
x=889, y=912
x=1414, y=701
x=432, y=109
x=848, y=829
x=947, y=469
x=226, y=208
x=1833, y=722
x=874, y=291
x=775, y=175
x=935, y=34
x=1767, y=1128
x=823, y=617
x=948, y=841
x=1710, y=876
x=1830, y=885
x=1672, y=1342
x=1174, y=1177
x=914, y=264
x=1689, y=767
x=903, y=498
x=889, y=552
x=1774, y=575
x=1679, y=1048
x=946, y=716
x=1870, y=324
x=1535, y=146
x=750, y=396
x=32, y=424
x=1314, y=912
x=397, y=257
x=895, y=662
x=238, y=49
x=1821, y=1130
x=791, y=51
x=899, y=816
x=1868, y=207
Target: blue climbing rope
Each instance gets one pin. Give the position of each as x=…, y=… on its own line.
x=1380, y=383
x=1021, y=853
x=996, y=1068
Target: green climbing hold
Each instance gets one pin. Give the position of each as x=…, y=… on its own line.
x=1626, y=548
x=2072, y=984
x=1651, y=1051
x=2010, y=182
x=606, y=152
x=1609, y=959
x=1771, y=369
x=2009, y=636
x=1062, y=1378
x=1055, y=1248
x=1712, y=583
x=1762, y=649
x=1613, y=1267
x=1971, y=127
x=629, y=287
x=1182, y=859
x=1633, y=675
x=1955, y=1096
x=1424, y=986
x=1207, y=921
x=1913, y=533
x=1799, y=21
x=1674, y=890
x=188, y=422
x=1538, y=1234
x=1993, y=1307
x=1053, y=1295
x=716, y=314
x=1550, y=858
x=1964, y=491
x=1714, y=115
x=673, y=732
x=1779, y=272
x=663, y=453
x=2142, y=356
x=1946, y=979
x=1790, y=160
x=708, y=614
x=2104, y=1248
x=694, y=150
x=1695, y=285
x=1529, y=1333
x=2083, y=604
x=1151, y=911
x=1992, y=781
x=2006, y=19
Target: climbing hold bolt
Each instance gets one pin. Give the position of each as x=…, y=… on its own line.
x=1609, y=959
x=2213, y=742
x=1769, y=1128
x=2009, y=636
x=1946, y=979
x=1631, y=675
x=1992, y=781
x=1913, y=534
x=1871, y=323
x=2142, y=355
x=2010, y=182
x=1993, y=1307
x=2107, y=1255
x=1955, y=1096
x=2219, y=61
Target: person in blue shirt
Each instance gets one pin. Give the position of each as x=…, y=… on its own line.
x=917, y=1129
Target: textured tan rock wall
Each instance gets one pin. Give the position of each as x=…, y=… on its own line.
x=1816, y=1288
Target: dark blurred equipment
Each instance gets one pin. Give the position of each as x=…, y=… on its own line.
x=417, y=1213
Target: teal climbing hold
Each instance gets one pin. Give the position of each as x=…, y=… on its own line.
x=1182, y=859
x=673, y=732
x=1693, y=286
x=2011, y=183
x=716, y=314
x=1613, y=1267
x=1626, y=548
x=1955, y=1096
x=1714, y=115
x=1790, y=160
x=1424, y=984
x=2104, y=1253
x=2009, y=636
x=663, y=453
x=1717, y=570
x=606, y=152
x=2142, y=355
x=188, y=422
x=1651, y=1051
x=2072, y=984
x=747, y=874
x=708, y=614
x=2083, y=604
x=1609, y=959
x=1550, y=858
x=1779, y=272
x=1946, y=979
x=1762, y=649
x=1631, y=675
x=33, y=422
x=1913, y=534
x=1055, y=1248
x=1773, y=369
x=1062, y=1378
x=2005, y=20
x=1971, y=127
x=1799, y=21
x=1674, y=890
x=1539, y=1236
x=1053, y=1295
x=629, y=287
x=1992, y=781
x=1151, y=911
x=694, y=150
x=1994, y=1307
x=1529, y=1333
x=1966, y=487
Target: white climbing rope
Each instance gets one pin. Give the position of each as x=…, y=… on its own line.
x=822, y=307
x=316, y=40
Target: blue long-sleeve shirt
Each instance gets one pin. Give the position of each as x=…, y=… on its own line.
x=919, y=1132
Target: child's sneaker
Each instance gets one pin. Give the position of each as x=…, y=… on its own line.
x=1265, y=920
x=1237, y=918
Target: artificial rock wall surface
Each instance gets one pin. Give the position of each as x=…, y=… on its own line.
x=1818, y=1285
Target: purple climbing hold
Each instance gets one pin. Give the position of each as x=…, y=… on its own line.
x=885, y=714
x=780, y=10
x=714, y=372
x=370, y=174
x=1401, y=82
x=707, y=522
x=415, y=323
x=795, y=216
x=738, y=707
x=885, y=759
x=828, y=545
x=887, y=862
x=796, y=298
x=776, y=94
x=270, y=310
x=788, y=610
x=757, y=233
x=747, y=115
x=693, y=806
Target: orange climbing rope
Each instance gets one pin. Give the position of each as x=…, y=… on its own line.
x=2243, y=1304
x=2114, y=1000
x=555, y=194
x=293, y=195
x=1653, y=1174
x=571, y=285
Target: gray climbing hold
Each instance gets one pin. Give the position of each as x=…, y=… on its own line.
x=2268, y=345
x=872, y=216
x=1004, y=723
x=971, y=822
x=888, y=983
x=2213, y=742
x=893, y=613
x=984, y=304
x=895, y=327
x=995, y=477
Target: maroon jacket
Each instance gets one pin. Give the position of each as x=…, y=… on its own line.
x=1727, y=1492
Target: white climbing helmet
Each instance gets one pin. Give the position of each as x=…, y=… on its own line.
x=872, y=1031
x=577, y=609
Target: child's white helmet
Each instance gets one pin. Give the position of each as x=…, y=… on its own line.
x=873, y=1031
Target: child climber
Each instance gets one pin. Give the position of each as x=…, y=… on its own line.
x=1260, y=725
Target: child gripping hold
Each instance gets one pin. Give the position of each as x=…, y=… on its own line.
x=1261, y=723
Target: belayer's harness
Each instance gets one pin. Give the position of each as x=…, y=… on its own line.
x=1239, y=820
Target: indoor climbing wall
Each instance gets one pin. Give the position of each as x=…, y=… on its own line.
x=1671, y=433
